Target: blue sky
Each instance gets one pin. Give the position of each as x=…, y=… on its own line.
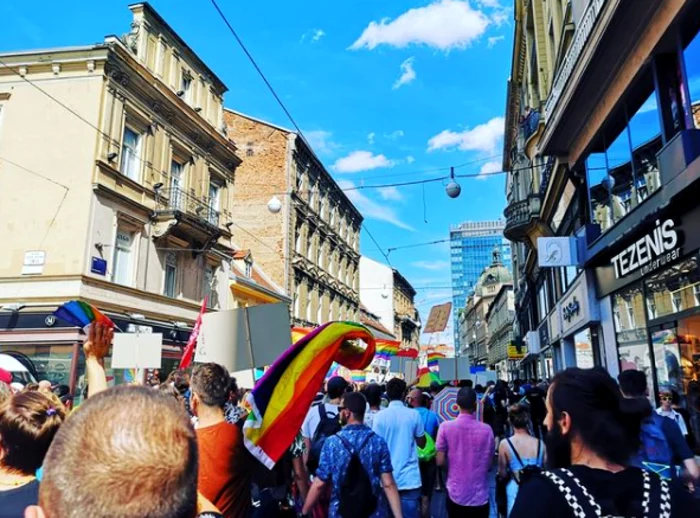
x=382, y=89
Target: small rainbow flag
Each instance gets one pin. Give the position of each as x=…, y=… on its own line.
x=82, y=314
x=387, y=347
x=283, y=396
x=359, y=376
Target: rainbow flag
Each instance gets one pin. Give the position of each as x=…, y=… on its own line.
x=283, y=396
x=387, y=348
x=82, y=314
x=359, y=376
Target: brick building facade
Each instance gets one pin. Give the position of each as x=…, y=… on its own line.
x=303, y=231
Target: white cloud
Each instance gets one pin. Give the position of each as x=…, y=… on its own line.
x=494, y=166
x=408, y=74
x=491, y=42
x=431, y=265
x=484, y=137
x=501, y=16
x=390, y=194
x=361, y=161
x=489, y=3
x=318, y=34
x=394, y=135
x=444, y=25
x=322, y=142
x=371, y=209
x=370, y=138
x=410, y=159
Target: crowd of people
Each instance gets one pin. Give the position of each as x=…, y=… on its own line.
x=583, y=445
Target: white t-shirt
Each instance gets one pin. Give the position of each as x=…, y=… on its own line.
x=312, y=419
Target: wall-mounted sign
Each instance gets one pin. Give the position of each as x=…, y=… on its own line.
x=557, y=251
x=34, y=261
x=98, y=266
x=50, y=320
x=571, y=310
x=517, y=351
x=578, y=307
x=650, y=252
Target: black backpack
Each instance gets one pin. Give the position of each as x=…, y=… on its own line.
x=526, y=472
x=328, y=426
x=357, y=498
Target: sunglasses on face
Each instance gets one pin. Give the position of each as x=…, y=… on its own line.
x=665, y=398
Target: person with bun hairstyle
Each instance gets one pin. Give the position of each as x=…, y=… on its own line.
x=593, y=433
x=28, y=423
x=519, y=455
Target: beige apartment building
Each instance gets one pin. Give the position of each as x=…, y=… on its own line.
x=407, y=323
x=116, y=188
x=302, y=229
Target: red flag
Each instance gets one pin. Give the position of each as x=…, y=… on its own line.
x=189, y=349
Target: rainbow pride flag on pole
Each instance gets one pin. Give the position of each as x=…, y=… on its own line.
x=283, y=396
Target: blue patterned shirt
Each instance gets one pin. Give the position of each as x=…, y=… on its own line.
x=374, y=457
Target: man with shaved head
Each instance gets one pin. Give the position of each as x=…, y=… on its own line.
x=128, y=452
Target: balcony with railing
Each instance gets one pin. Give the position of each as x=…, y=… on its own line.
x=185, y=214
x=521, y=218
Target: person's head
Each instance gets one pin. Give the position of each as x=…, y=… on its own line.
x=210, y=385
x=633, y=383
x=28, y=423
x=62, y=392
x=466, y=400
x=180, y=380
x=129, y=451
x=395, y=389
x=479, y=389
x=415, y=398
x=31, y=387
x=519, y=416
x=466, y=383
x=16, y=387
x=586, y=411
x=45, y=386
x=169, y=390
x=336, y=387
x=435, y=387
x=666, y=398
x=373, y=393
x=352, y=408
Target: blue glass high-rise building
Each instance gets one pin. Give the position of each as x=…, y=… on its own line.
x=471, y=250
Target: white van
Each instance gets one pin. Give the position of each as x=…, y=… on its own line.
x=19, y=372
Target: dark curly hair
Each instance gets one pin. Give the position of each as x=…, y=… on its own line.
x=211, y=383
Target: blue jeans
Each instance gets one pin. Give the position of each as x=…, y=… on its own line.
x=410, y=503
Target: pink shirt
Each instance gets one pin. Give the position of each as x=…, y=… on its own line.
x=469, y=446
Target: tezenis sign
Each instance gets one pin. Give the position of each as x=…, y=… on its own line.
x=650, y=252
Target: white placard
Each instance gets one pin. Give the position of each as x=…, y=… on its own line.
x=34, y=261
x=224, y=338
x=137, y=351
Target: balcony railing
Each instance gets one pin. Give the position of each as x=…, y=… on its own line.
x=583, y=31
x=519, y=216
x=176, y=199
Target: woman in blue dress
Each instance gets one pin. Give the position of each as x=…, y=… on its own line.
x=518, y=452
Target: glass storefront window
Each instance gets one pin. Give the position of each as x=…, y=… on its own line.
x=584, y=348
x=674, y=289
x=677, y=353
x=630, y=330
x=52, y=362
